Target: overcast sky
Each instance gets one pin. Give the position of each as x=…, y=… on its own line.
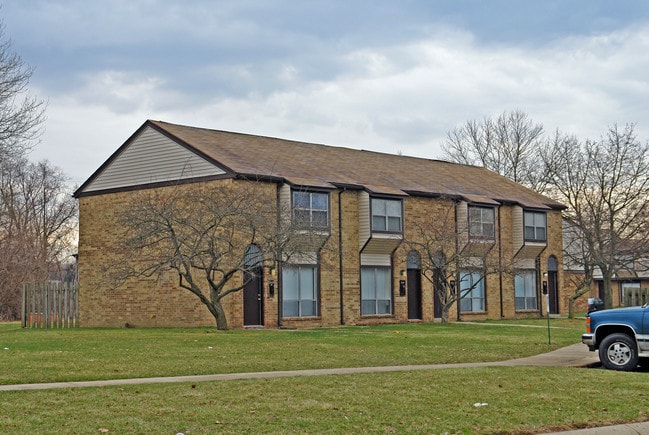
x=384, y=75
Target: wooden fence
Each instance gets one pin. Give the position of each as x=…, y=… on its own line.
x=635, y=296
x=50, y=305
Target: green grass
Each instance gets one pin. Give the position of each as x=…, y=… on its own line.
x=518, y=399
x=33, y=355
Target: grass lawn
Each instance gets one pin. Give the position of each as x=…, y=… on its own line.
x=50, y=355
x=517, y=399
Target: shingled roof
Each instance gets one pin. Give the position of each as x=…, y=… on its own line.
x=323, y=166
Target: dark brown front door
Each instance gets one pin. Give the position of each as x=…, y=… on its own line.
x=253, y=304
x=439, y=288
x=414, y=294
x=553, y=285
x=553, y=293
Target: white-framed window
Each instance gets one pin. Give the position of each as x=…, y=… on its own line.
x=631, y=294
x=472, y=292
x=311, y=209
x=525, y=290
x=299, y=291
x=535, y=226
x=387, y=215
x=482, y=222
x=376, y=291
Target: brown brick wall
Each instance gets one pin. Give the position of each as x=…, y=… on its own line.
x=155, y=301
x=151, y=302
x=137, y=302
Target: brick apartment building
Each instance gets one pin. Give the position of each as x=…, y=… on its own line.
x=365, y=271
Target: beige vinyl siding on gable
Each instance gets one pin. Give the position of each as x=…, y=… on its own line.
x=152, y=158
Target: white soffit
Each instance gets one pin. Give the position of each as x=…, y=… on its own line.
x=152, y=158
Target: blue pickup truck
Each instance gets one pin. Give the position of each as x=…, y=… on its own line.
x=621, y=335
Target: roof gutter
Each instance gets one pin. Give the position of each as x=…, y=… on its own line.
x=258, y=177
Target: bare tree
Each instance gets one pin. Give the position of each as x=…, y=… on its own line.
x=508, y=145
x=448, y=257
x=37, y=223
x=21, y=115
x=605, y=184
x=201, y=234
x=577, y=258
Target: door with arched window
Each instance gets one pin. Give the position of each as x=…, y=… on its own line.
x=553, y=285
x=253, y=301
x=414, y=285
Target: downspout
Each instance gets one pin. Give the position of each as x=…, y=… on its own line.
x=278, y=288
x=500, y=264
x=457, y=272
x=537, y=266
x=340, y=254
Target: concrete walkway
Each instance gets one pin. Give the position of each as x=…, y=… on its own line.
x=621, y=429
x=576, y=355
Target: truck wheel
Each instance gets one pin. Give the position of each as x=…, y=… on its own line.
x=618, y=352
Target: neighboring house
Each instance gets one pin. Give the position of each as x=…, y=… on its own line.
x=629, y=284
x=368, y=202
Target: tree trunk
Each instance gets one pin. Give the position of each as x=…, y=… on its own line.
x=445, y=309
x=571, y=307
x=219, y=315
x=607, y=278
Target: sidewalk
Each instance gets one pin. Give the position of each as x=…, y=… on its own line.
x=576, y=355
x=621, y=429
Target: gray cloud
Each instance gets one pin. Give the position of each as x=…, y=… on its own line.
x=383, y=75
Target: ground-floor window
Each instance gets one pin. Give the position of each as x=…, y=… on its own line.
x=299, y=291
x=525, y=290
x=631, y=294
x=376, y=291
x=472, y=292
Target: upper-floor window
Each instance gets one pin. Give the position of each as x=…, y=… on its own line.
x=481, y=222
x=311, y=209
x=386, y=215
x=535, y=226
